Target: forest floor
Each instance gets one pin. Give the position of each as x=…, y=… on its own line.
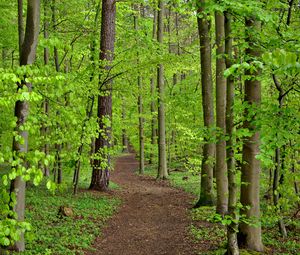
x=153, y=219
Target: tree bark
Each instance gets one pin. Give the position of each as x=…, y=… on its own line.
x=162, y=155
x=102, y=162
x=221, y=167
x=206, y=191
x=58, y=147
x=140, y=109
x=124, y=133
x=27, y=57
x=232, y=229
x=249, y=236
x=20, y=27
x=141, y=128
x=44, y=129
x=289, y=16
x=153, y=94
x=279, y=161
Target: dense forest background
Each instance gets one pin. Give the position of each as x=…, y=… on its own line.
x=209, y=90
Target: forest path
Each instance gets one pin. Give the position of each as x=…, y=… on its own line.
x=152, y=220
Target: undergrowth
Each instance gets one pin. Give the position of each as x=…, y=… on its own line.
x=52, y=234
x=213, y=235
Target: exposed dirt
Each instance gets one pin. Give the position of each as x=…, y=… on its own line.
x=153, y=218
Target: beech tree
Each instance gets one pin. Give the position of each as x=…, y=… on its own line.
x=206, y=193
x=221, y=167
x=162, y=157
x=28, y=44
x=140, y=107
x=249, y=235
x=102, y=162
x=232, y=229
x=153, y=102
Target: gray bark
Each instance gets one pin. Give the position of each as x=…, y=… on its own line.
x=162, y=157
x=232, y=247
x=221, y=167
x=153, y=94
x=44, y=129
x=27, y=57
x=124, y=133
x=206, y=191
x=140, y=110
x=249, y=236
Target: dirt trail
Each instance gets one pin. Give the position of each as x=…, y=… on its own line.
x=152, y=220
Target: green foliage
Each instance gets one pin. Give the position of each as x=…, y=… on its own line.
x=69, y=235
x=70, y=91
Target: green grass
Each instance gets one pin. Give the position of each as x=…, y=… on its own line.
x=52, y=234
x=69, y=235
x=185, y=180
x=215, y=235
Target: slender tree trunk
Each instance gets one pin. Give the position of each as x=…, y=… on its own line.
x=44, y=129
x=221, y=167
x=58, y=147
x=102, y=162
x=124, y=133
x=249, y=235
x=206, y=191
x=162, y=155
x=290, y=9
x=276, y=194
x=279, y=166
x=141, y=128
x=140, y=110
x=20, y=26
x=27, y=57
x=232, y=229
x=153, y=120
x=153, y=95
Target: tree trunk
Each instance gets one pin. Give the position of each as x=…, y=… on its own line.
x=124, y=133
x=289, y=16
x=58, y=147
x=20, y=27
x=162, y=155
x=249, y=236
x=141, y=128
x=140, y=109
x=206, y=192
x=27, y=57
x=153, y=94
x=44, y=129
x=102, y=162
x=232, y=229
x=221, y=167
x=279, y=161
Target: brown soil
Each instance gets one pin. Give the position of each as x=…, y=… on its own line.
x=153, y=218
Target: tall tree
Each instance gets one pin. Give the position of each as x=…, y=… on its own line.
x=124, y=133
x=27, y=57
x=162, y=157
x=232, y=229
x=140, y=105
x=152, y=91
x=221, y=167
x=44, y=129
x=249, y=235
x=58, y=146
x=206, y=192
x=102, y=162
